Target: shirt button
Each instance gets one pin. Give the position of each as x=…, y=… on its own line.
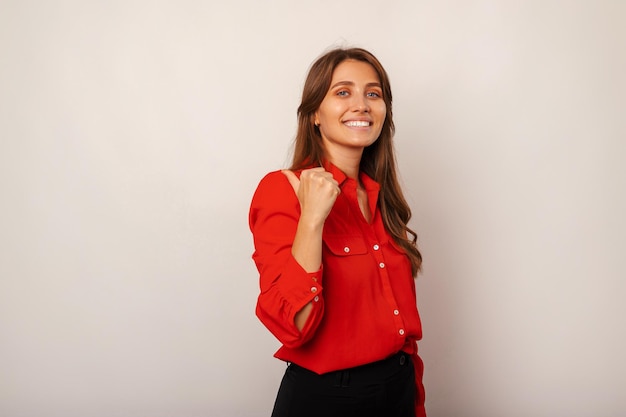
x=396, y=312
x=346, y=249
x=313, y=289
x=401, y=331
x=382, y=264
x=317, y=298
x=376, y=247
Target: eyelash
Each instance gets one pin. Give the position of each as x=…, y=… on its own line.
x=369, y=94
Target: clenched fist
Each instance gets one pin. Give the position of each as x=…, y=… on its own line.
x=317, y=191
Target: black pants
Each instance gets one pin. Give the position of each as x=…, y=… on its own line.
x=380, y=389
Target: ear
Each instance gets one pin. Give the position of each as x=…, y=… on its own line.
x=316, y=119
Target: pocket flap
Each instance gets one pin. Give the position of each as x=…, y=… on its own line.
x=346, y=245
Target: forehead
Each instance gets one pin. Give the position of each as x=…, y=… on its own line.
x=352, y=70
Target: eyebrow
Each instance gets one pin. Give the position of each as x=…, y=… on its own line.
x=350, y=83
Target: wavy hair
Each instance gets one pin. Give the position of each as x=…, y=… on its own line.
x=378, y=160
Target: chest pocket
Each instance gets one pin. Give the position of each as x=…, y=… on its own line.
x=345, y=245
x=396, y=246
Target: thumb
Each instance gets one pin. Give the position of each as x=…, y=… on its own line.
x=293, y=180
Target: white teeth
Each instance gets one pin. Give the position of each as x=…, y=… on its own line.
x=357, y=123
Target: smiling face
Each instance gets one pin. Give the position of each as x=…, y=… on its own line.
x=352, y=114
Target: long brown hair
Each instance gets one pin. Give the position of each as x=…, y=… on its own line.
x=378, y=160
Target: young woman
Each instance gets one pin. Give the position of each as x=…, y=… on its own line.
x=336, y=258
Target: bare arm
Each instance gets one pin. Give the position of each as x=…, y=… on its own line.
x=317, y=191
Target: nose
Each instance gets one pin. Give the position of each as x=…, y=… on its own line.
x=361, y=104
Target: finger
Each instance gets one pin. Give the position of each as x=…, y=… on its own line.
x=293, y=180
x=329, y=177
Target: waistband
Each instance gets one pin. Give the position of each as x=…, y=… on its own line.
x=363, y=374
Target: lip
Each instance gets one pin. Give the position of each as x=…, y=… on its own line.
x=368, y=121
x=358, y=119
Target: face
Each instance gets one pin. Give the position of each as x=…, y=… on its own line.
x=352, y=114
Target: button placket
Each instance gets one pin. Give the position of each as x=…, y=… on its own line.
x=378, y=254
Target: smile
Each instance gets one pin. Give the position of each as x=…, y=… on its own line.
x=357, y=123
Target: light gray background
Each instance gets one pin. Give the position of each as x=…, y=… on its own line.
x=133, y=134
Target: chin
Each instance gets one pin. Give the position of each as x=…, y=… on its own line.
x=364, y=143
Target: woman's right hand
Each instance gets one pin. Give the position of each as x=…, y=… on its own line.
x=317, y=191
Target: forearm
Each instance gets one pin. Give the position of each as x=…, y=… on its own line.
x=307, y=244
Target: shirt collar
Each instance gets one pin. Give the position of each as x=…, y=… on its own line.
x=339, y=176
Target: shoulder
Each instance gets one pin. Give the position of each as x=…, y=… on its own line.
x=273, y=183
x=274, y=189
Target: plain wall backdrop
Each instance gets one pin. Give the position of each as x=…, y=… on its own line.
x=133, y=134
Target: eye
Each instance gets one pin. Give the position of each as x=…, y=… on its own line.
x=374, y=94
x=342, y=93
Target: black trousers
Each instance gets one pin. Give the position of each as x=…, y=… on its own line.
x=380, y=389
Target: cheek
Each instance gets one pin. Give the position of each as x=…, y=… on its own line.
x=331, y=110
x=382, y=111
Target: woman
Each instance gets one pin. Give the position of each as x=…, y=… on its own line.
x=334, y=255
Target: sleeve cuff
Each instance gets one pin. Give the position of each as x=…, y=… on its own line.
x=306, y=287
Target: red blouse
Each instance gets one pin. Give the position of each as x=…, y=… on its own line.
x=363, y=296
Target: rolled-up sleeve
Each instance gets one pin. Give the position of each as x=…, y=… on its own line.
x=285, y=286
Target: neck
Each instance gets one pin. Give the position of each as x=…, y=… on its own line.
x=348, y=163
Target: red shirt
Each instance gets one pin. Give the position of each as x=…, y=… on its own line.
x=363, y=296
